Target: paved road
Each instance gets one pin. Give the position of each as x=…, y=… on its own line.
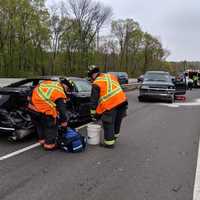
x=155, y=159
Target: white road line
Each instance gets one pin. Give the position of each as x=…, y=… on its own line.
x=30, y=147
x=196, y=192
x=19, y=151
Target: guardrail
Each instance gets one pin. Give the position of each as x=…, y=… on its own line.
x=130, y=86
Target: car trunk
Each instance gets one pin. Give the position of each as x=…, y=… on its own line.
x=13, y=114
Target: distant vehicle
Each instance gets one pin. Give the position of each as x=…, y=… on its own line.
x=122, y=77
x=157, y=85
x=140, y=78
x=15, y=117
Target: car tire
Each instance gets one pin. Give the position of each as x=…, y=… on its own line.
x=140, y=99
x=172, y=99
x=20, y=134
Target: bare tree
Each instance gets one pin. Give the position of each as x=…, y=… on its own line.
x=109, y=49
x=124, y=31
x=89, y=16
x=59, y=24
x=153, y=50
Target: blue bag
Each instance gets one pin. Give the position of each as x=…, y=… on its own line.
x=71, y=141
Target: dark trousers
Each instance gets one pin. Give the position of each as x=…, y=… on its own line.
x=46, y=128
x=190, y=85
x=195, y=83
x=111, y=121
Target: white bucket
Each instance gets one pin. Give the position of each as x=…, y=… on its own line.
x=93, y=133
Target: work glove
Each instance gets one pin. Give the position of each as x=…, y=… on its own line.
x=64, y=124
x=93, y=115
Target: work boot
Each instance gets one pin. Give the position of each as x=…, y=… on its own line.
x=49, y=146
x=116, y=136
x=107, y=146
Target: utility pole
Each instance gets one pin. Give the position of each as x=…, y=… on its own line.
x=185, y=64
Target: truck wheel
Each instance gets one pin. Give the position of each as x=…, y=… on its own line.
x=140, y=99
x=171, y=100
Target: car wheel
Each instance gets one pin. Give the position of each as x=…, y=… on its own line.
x=20, y=134
x=140, y=99
x=171, y=100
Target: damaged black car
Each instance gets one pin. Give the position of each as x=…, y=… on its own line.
x=15, y=117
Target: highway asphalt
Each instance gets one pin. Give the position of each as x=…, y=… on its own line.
x=154, y=159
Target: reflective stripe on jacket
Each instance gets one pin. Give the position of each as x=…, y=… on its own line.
x=45, y=95
x=111, y=93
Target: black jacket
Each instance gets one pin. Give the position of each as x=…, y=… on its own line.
x=61, y=107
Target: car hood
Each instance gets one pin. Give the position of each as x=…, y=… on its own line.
x=157, y=83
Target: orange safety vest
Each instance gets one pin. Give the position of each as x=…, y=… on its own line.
x=111, y=93
x=44, y=96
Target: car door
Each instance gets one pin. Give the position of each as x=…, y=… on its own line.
x=13, y=114
x=180, y=84
x=80, y=100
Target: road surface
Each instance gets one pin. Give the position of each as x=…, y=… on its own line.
x=155, y=159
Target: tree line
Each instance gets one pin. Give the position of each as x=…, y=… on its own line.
x=66, y=38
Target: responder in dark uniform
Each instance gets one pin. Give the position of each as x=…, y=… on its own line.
x=108, y=102
x=48, y=103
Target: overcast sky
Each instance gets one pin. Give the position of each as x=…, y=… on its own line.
x=175, y=22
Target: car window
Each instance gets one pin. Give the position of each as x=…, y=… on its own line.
x=123, y=74
x=82, y=85
x=33, y=82
x=157, y=77
x=119, y=73
x=30, y=82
